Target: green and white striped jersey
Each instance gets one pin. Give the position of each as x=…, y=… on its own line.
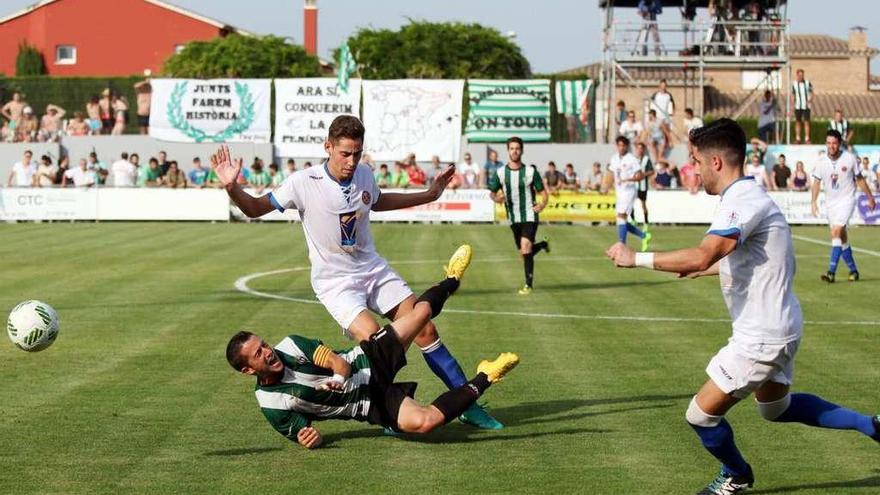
x=519, y=188
x=295, y=402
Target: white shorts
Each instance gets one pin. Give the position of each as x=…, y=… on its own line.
x=740, y=368
x=625, y=200
x=840, y=212
x=380, y=290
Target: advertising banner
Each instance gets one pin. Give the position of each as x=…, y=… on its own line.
x=568, y=206
x=304, y=109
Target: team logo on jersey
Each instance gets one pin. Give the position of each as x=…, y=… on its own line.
x=732, y=218
x=843, y=168
x=365, y=197
x=348, y=233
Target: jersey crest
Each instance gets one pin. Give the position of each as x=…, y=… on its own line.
x=348, y=231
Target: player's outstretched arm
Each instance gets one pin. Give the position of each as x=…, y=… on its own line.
x=227, y=171
x=683, y=261
x=397, y=201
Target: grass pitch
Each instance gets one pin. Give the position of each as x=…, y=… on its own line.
x=135, y=396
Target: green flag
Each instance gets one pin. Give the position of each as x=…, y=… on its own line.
x=345, y=67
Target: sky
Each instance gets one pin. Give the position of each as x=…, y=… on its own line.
x=554, y=35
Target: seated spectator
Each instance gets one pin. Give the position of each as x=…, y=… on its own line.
x=416, y=175
x=800, y=180
x=383, y=177
x=492, y=164
x=631, y=128
x=593, y=181
x=690, y=121
x=756, y=169
x=367, y=160
x=45, y=172
x=120, y=115
x=136, y=161
x=400, y=177
x=663, y=178
x=199, y=174
x=78, y=126
x=275, y=175
x=259, y=179
x=570, y=181
x=467, y=173
x=93, y=110
x=436, y=168
x=553, y=178
x=757, y=147
x=690, y=179
x=289, y=168
x=607, y=180
x=7, y=133
x=23, y=172
x=164, y=164
x=50, y=124
x=654, y=136
x=28, y=126
x=151, y=176
x=307, y=165
x=781, y=173
x=244, y=178
x=81, y=176
x=63, y=167
x=174, y=178
x=869, y=175
x=124, y=172
x=100, y=168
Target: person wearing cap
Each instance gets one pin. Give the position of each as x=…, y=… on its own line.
x=28, y=125
x=50, y=124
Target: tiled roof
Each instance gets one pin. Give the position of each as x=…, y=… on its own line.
x=649, y=75
x=806, y=45
x=855, y=106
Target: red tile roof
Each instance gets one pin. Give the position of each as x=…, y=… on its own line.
x=822, y=45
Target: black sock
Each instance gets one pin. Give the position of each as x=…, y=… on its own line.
x=437, y=295
x=457, y=400
x=529, y=266
x=538, y=247
x=646, y=216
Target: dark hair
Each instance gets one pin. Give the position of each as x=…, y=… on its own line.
x=163, y=152
x=93, y=155
x=28, y=152
x=257, y=166
x=273, y=166
x=724, y=135
x=689, y=110
x=345, y=126
x=663, y=80
x=154, y=160
x=622, y=139
x=652, y=112
x=134, y=155
x=124, y=155
x=384, y=165
x=781, y=155
x=551, y=163
x=291, y=160
x=620, y=103
x=833, y=133
x=197, y=160
x=515, y=139
x=46, y=158
x=233, y=350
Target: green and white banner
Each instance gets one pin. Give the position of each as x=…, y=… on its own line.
x=573, y=97
x=500, y=109
x=210, y=110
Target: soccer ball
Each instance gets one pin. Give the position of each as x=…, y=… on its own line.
x=32, y=326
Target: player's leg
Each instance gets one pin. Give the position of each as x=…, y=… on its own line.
x=526, y=241
x=798, y=123
x=807, y=126
x=434, y=351
x=543, y=245
x=775, y=403
x=836, y=250
x=846, y=253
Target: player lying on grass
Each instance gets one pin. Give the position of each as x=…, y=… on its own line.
x=301, y=380
x=749, y=245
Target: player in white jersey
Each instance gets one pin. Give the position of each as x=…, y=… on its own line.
x=349, y=277
x=627, y=173
x=838, y=170
x=749, y=246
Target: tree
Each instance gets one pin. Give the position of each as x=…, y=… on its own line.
x=429, y=50
x=29, y=61
x=242, y=56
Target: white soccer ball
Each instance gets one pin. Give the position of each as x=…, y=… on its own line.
x=32, y=326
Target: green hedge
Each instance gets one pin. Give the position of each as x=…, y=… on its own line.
x=863, y=132
x=70, y=93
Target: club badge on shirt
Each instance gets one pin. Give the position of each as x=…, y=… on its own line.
x=365, y=197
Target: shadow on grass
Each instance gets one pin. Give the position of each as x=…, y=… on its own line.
x=243, y=451
x=869, y=482
x=457, y=433
x=562, y=287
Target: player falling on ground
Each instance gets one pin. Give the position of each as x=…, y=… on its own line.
x=628, y=173
x=301, y=380
x=515, y=186
x=838, y=170
x=749, y=245
x=348, y=275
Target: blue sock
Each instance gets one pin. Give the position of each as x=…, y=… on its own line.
x=621, y=232
x=635, y=230
x=836, y=251
x=444, y=365
x=846, y=252
x=718, y=440
x=815, y=411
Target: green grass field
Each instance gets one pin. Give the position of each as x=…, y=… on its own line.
x=135, y=396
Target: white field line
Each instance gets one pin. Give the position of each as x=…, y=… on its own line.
x=828, y=243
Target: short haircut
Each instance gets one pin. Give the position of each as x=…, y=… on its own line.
x=551, y=163
x=652, y=112
x=273, y=166
x=233, y=350
x=346, y=126
x=124, y=155
x=663, y=81
x=93, y=155
x=162, y=152
x=833, y=133
x=622, y=139
x=46, y=158
x=723, y=135
x=799, y=71
x=689, y=110
x=154, y=160
x=782, y=155
x=29, y=152
x=291, y=160
x=515, y=139
x=197, y=160
x=134, y=155
x=620, y=103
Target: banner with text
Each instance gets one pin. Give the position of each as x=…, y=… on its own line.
x=210, y=110
x=304, y=109
x=421, y=116
x=499, y=109
x=568, y=206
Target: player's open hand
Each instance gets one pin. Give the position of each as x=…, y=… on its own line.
x=225, y=167
x=309, y=437
x=621, y=255
x=441, y=181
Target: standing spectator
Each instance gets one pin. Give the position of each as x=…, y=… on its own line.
x=621, y=114
x=759, y=148
x=841, y=125
x=259, y=179
x=553, y=178
x=174, y=178
x=468, y=173
x=99, y=168
x=124, y=172
x=492, y=164
x=690, y=121
x=399, y=178
x=800, y=181
x=383, y=176
x=781, y=173
x=571, y=178
x=163, y=163
x=105, y=111
x=63, y=167
x=13, y=109
x=664, y=105
x=415, y=174
x=663, y=178
x=647, y=169
x=767, y=118
x=138, y=170
x=81, y=176
x=28, y=126
x=802, y=100
x=631, y=128
x=289, y=168
x=199, y=174
x=593, y=181
x=50, y=124
x=93, y=110
x=120, y=115
x=756, y=169
x=144, y=91
x=275, y=174
x=23, y=172
x=45, y=172
x=654, y=136
x=869, y=175
x=648, y=10
x=78, y=126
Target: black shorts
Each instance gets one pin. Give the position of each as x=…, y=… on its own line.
x=107, y=124
x=802, y=115
x=643, y=195
x=387, y=356
x=143, y=120
x=526, y=230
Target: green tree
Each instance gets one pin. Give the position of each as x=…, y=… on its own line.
x=242, y=56
x=29, y=61
x=428, y=50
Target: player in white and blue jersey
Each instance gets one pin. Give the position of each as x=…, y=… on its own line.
x=749, y=246
x=627, y=173
x=839, y=172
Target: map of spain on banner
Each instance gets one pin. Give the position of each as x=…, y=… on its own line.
x=500, y=109
x=304, y=109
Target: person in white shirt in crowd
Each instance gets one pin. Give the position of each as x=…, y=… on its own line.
x=655, y=136
x=868, y=174
x=663, y=103
x=81, y=176
x=767, y=117
x=755, y=168
x=631, y=128
x=593, y=181
x=46, y=172
x=467, y=173
x=124, y=172
x=691, y=122
x=23, y=172
x=289, y=167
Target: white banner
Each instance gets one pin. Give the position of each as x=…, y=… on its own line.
x=304, y=109
x=210, y=110
x=47, y=204
x=420, y=116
